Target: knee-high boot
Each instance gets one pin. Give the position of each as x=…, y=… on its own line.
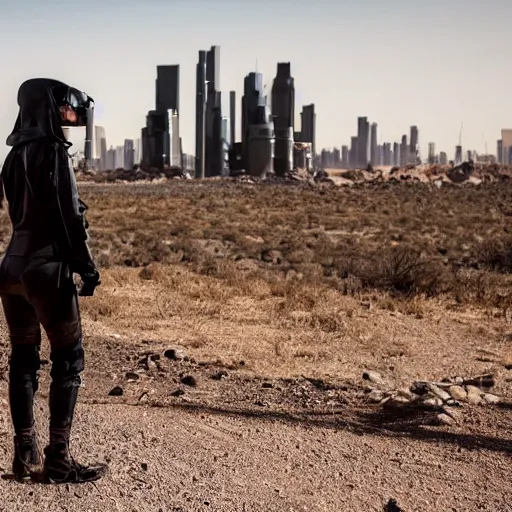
x=67, y=365
x=23, y=385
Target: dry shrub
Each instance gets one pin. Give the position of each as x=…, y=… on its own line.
x=102, y=306
x=496, y=254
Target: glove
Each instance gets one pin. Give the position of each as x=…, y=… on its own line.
x=90, y=280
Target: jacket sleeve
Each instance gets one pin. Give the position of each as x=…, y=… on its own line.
x=71, y=210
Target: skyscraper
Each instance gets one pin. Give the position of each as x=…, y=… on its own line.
x=506, y=137
x=353, y=152
x=431, y=152
x=100, y=147
x=232, y=117
x=173, y=149
x=458, y=155
x=413, y=152
x=386, y=150
x=443, y=158
x=155, y=137
x=396, y=154
x=373, y=144
x=363, y=142
x=128, y=159
x=499, y=151
x=168, y=88
x=308, y=126
x=213, y=121
x=200, y=114
x=404, y=151
x=283, y=113
x=253, y=98
x=344, y=157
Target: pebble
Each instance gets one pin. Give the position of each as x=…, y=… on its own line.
x=458, y=393
x=375, y=396
x=132, y=376
x=189, y=380
x=474, y=397
x=373, y=377
x=491, y=399
x=175, y=354
x=117, y=391
x=444, y=419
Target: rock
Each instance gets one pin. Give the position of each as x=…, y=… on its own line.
x=189, y=380
x=175, y=354
x=433, y=402
x=373, y=377
x=117, y=391
x=376, y=396
x=474, y=395
x=407, y=394
x=392, y=506
x=439, y=393
x=178, y=392
x=489, y=398
x=144, y=466
x=458, y=393
x=220, y=375
x=444, y=419
x=132, y=376
x=475, y=390
x=267, y=385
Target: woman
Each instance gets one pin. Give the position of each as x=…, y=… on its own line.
x=48, y=244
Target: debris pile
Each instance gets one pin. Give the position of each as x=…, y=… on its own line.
x=466, y=172
x=439, y=398
x=124, y=175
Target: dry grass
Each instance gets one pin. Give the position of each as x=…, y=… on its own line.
x=291, y=279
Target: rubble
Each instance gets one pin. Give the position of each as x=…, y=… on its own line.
x=441, y=398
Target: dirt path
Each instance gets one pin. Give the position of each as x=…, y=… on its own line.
x=197, y=452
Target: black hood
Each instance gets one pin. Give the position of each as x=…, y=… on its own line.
x=39, y=116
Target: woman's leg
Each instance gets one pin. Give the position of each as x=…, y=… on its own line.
x=25, y=336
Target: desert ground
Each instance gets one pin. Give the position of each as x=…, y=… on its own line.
x=227, y=344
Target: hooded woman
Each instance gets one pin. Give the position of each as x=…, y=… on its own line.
x=48, y=244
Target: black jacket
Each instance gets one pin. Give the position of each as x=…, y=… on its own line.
x=39, y=181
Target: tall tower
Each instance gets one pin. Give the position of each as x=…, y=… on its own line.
x=232, y=117
x=200, y=114
x=431, y=152
x=213, y=144
x=308, y=126
x=283, y=113
x=404, y=151
x=252, y=99
x=396, y=154
x=373, y=144
x=413, y=151
x=363, y=142
x=499, y=151
x=167, y=88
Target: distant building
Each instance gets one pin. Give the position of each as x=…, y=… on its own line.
x=128, y=159
x=458, y=155
x=283, y=114
x=404, y=151
x=499, y=152
x=443, y=158
x=353, y=153
x=110, y=164
x=168, y=88
x=213, y=117
x=431, y=152
x=308, y=125
x=506, y=152
x=373, y=144
x=345, y=157
x=396, y=154
x=363, y=142
x=414, y=147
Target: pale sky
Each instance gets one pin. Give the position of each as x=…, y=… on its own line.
x=433, y=63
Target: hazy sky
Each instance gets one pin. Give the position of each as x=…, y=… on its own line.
x=434, y=63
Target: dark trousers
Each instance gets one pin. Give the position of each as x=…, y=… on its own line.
x=38, y=291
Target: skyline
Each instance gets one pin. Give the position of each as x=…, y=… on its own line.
x=379, y=65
